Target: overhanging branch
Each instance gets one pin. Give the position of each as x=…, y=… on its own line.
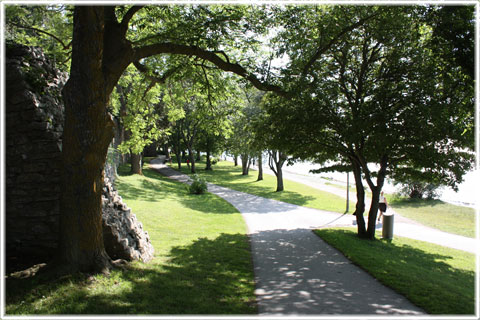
x=65, y=47
x=172, y=48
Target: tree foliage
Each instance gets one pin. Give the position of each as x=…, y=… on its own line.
x=142, y=111
x=381, y=96
x=353, y=84
x=48, y=27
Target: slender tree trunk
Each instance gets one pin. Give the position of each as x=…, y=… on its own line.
x=360, y=205
x=178, y=155
x=260, y=167
x=209, y=154
x=372, y=213
x=87, y=133
x=191, y=157
x=136, y=163
x=198, y=156
x=209, y=161
x=276, y=160
x=235, y=160
x=375, y=189
x=245, y=164
x=279, y=180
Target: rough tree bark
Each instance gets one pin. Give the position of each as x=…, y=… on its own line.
x=87, y=133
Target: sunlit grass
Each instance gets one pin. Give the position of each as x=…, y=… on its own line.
x=225, y=174
x=438, y=279
x=438, y=214
x=202, y=261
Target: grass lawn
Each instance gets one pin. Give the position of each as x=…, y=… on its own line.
x=225, y=174
x=433, y=213
x=438, y=279
x=202, y=261
x=438, y=214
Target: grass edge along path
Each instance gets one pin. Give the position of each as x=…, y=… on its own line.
x=438, y=279
x=227, y=175
x=202, y=262
x=438, y=215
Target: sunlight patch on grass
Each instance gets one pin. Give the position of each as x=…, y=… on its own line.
x=438, y=214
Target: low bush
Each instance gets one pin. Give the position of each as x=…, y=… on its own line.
x=198, y=186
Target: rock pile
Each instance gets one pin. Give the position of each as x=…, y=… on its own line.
x=123, y=234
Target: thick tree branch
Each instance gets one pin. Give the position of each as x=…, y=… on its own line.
x=155, y=78
x=173, y=48
x=127, y=17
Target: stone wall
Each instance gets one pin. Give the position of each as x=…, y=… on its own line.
x=34, y=127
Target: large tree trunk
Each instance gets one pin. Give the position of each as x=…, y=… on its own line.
x=136, y=164
x=87, y=133
x=260, y=167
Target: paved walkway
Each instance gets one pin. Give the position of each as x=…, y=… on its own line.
x=402, y=226
x=296, y=272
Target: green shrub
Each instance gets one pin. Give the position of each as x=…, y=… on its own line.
x=198, y=186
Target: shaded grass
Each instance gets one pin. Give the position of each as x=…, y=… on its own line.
x=225, y=174
x=438, y=214
x=202, y=261
x=438, y=279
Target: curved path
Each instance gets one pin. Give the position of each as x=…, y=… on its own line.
x=296, y=272
x=402, y=226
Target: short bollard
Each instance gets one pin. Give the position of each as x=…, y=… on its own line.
x=387, y=228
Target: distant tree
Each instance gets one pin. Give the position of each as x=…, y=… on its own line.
x=141, y=114
x=200, y=103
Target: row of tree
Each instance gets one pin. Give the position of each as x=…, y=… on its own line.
x=352, y=85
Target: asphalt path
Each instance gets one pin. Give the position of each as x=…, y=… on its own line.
x=296, y=272
x=402, y=226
